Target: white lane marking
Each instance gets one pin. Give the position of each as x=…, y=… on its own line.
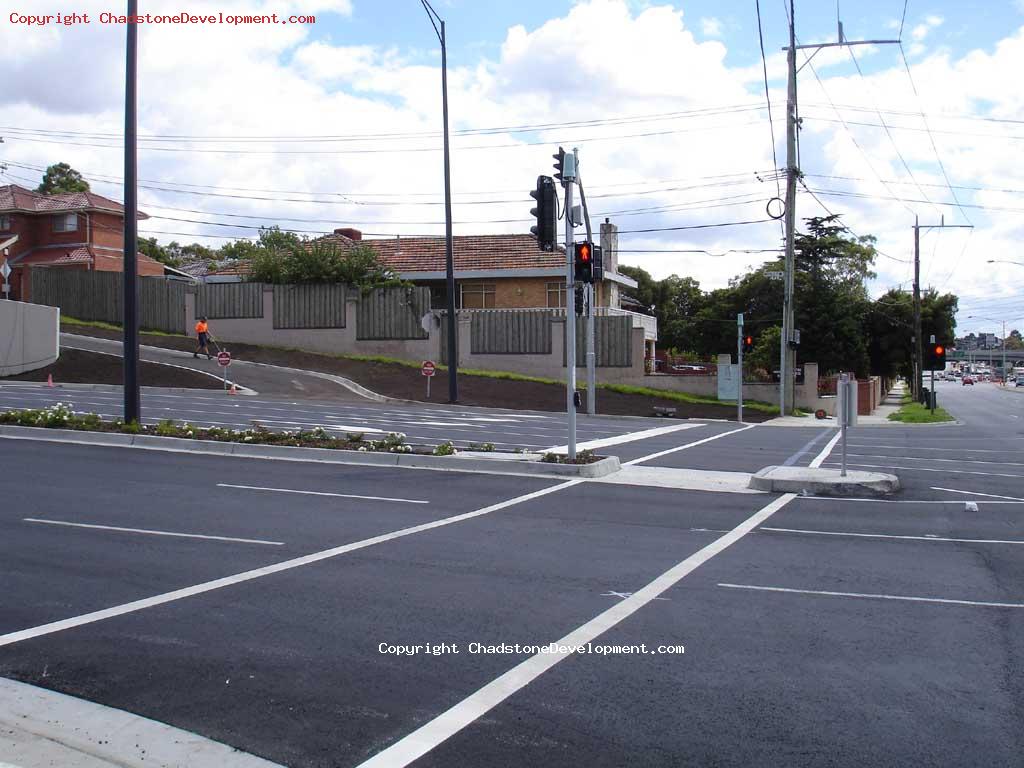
x=320, y=493
x=960, y=450
x=826, y=451
x=151, y=532
x=447, y=724
x=929, y=537
x=257, y=573
x=629, y=437
x=416, y=744
x=975, y=493
x=873, y=596
x=929, y=469
x=902, y=501
x=659, y=454
x=931, y=458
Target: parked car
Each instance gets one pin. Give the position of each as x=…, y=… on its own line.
x=1019, y=382
x=967, y=380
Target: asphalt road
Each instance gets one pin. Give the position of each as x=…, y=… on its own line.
x=816, y=631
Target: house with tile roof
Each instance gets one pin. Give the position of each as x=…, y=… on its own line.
x=72, y=230
x=493, y=271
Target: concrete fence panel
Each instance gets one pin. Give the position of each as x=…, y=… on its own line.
x=309, y=306
x=497, y=332
x=29, y=337
x=229, y=301
x=392, y=314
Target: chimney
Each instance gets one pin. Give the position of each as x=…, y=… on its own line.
x=351, y=234
x=610, y=246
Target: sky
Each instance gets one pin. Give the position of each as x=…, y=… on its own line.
x=337, y=123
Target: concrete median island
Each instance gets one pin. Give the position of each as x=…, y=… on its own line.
x=815, y=481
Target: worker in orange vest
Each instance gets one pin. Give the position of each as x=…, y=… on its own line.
x=202, y=339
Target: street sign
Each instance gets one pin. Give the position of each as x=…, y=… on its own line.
x=5, y=270
x=224, y=358
x=428, y=369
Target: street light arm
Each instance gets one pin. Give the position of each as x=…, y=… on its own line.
x=432, y=15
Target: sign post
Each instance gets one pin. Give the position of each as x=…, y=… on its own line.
x=224, y=360
x=428, y=370
x=847, y=410
x=5, y=270
x=739, y=358
x=932, y=367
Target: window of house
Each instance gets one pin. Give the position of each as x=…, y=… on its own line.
x=556, y=294
x=477, y=295
x=5, y=222
x=65, y=222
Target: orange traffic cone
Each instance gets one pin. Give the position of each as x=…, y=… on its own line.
x=233, y=390
x=49, y=380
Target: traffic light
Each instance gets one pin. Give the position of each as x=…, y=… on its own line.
x=565, y=166
x=748, y=343
x=546, y=213
x=583, y=261
x=580, y=306
x=598, y=264
x=935, y=357
x=559, y=163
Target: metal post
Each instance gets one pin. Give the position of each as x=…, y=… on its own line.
x=589, y=298
x=570, y=324
x=932, y=403
x=132, y=404
x=844, y=384
x=792, y=171
x=739, y=357
x=1004, y=353
x=918, y=341
x=449, y=258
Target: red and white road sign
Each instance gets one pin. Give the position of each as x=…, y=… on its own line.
x=429, y=369
x=224, y=358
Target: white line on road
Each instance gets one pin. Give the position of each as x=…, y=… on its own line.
x=830, y=499
x=320, y=493
x=975, y=493
x=932, y=458
x=947, y=470
x=629, y=437
x=659, y=454
x=151, y=532
x=891, y=536
x=872, y=596
x=447, y=724
x=257, y=573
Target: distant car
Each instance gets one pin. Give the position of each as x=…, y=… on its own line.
x=1019, y=382
x=967, y=380
x=690, y=368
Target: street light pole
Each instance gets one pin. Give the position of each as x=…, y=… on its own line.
x=453, y=351
x=132, y=404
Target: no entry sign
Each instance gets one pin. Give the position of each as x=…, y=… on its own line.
x=224, y=359
x=429, y=369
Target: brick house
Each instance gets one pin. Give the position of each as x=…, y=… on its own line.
x=493, y=271
x=73, y=230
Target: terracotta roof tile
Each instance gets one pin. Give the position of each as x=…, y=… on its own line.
x=15, y=198
x=470, y=252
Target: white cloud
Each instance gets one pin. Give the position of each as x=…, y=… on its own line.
x=920, y=31
x=286, y=81
x=711, y=27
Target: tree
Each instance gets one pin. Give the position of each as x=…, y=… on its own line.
x=285, y=259
x=1014, y=340
x=150, y=247
x=767, y=354
x=890, y=328
x=61, y=177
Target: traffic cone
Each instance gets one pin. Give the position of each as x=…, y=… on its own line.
x=233, y=390
x=49, y=380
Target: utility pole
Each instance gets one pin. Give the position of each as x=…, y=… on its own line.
x=739, y=359
x=918, y=341
x=132, y=400
x=787, y=371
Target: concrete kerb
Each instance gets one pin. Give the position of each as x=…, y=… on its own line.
x=118, y=388
x=44, y=727
x=812, y=481
x=526, y=465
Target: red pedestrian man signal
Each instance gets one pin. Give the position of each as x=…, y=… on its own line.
x=584, y=262
x=748, y=343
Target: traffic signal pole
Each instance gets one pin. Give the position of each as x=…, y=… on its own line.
x=590, y=290
x=739, y=358
x=570, y=322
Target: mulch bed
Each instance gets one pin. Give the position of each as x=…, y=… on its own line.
x=75, y=366
x=408, y=383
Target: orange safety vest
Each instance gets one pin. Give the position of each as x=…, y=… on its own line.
x=200, y=327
